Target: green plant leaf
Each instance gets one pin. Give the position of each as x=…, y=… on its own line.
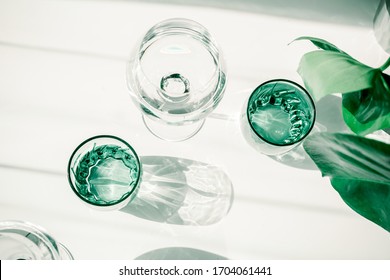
x=359, y=170
x=321, y=43
x=370, y=202
x=328, y=72
x=364, y=129
x=368, y=110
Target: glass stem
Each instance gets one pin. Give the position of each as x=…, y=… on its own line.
x=385, y=65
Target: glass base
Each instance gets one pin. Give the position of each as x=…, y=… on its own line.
x=24, y=241
x=174, y=133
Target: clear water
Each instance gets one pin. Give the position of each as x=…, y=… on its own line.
x=106, y=174
x=184, y=69
x=280, y=114
x=181, y=54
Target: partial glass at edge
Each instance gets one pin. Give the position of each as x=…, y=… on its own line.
x=105, y=172
x=24, y=241
x=176, y=76
x=278, y=115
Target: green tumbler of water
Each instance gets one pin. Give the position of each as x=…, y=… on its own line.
x=277, y=116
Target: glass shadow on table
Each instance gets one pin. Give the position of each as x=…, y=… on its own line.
x=329, y=118
x=181, y=191
x=179, y=253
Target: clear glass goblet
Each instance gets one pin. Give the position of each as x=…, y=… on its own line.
x=277, y=116
x=105, y=172
x=176, y=76
x=25, y=241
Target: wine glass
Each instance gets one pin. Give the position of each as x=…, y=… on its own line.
x=21, y=240
x=176, y=77
x=104, y=171
x=277, y=116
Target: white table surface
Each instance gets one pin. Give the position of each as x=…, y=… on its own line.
x=62, y=80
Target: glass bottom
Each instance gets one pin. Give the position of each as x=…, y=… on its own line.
x=25, y=241
x=174, y=133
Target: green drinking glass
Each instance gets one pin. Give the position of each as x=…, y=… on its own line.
x=105, y=172
x=21, y=240
x=278, y=115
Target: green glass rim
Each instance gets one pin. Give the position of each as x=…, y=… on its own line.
x=296, y=85
x=124, y=197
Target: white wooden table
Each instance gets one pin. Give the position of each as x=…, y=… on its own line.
x=62, y=80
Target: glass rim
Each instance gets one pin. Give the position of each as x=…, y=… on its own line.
x=296, y=85
x=180, y=25
x=52, y=245
x=214, y=50
x=101, y=137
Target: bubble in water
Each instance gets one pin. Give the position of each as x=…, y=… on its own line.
x=264, y=99
x=286, y=107
x=296, y=119
x=297, y=112
x=276, y=101
x=283, y=92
